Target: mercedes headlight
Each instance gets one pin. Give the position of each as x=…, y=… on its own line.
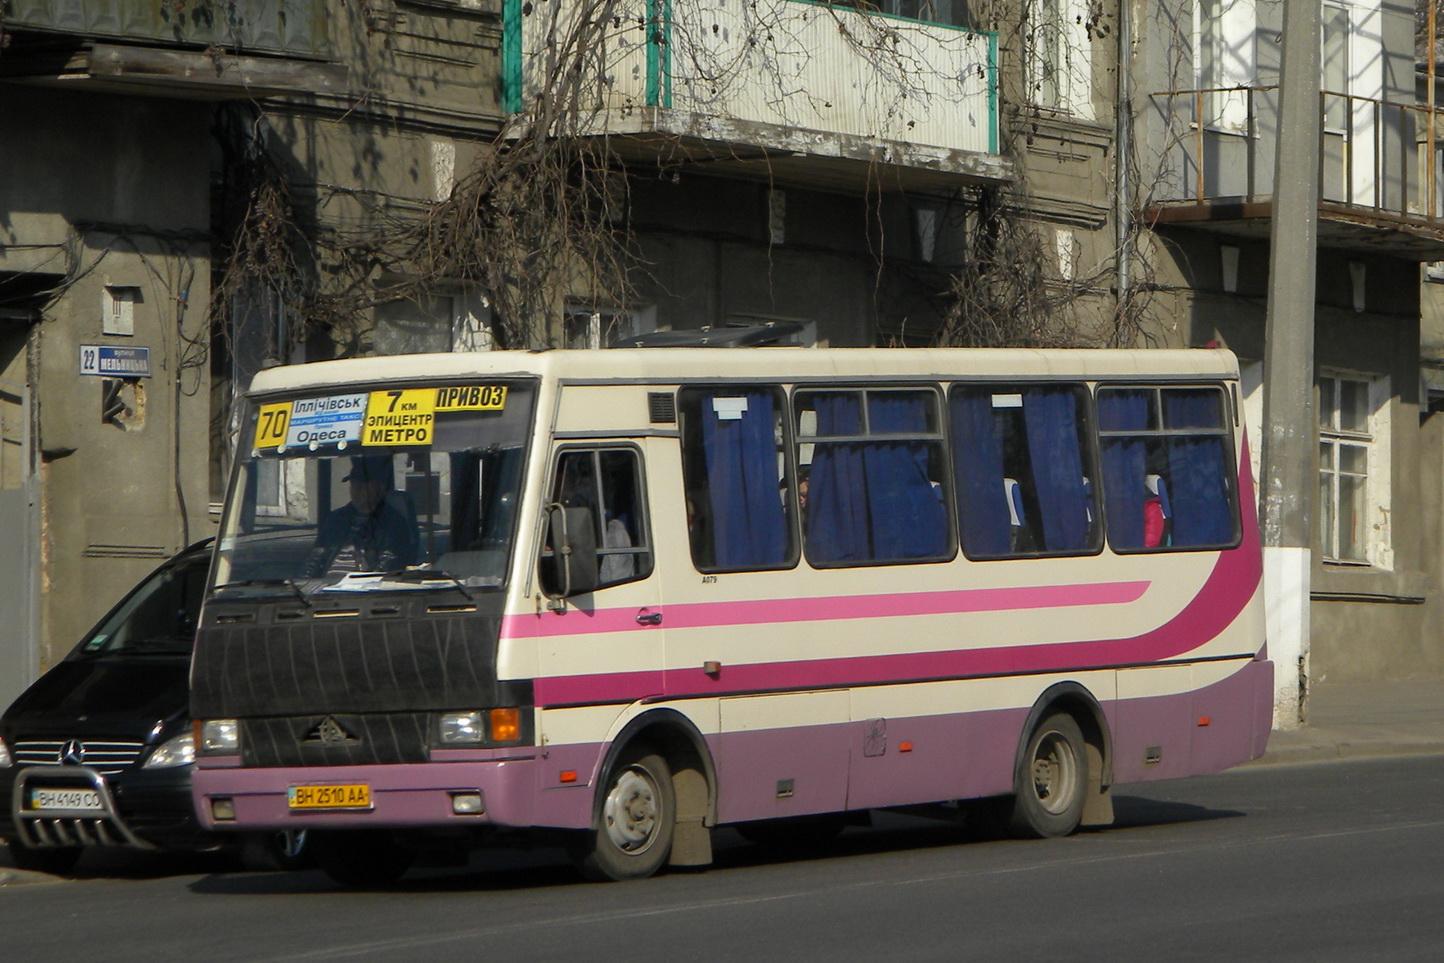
x=176, y=751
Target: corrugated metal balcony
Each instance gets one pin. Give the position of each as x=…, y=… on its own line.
x=1379, y=177
x=789, y=90
x=178, y=48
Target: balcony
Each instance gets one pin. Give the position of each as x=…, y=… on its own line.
x=787, y=90
x=1379, y=177
x=178, y=48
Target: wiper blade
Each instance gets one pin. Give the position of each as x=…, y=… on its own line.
x=290, y=583
x=429, y=575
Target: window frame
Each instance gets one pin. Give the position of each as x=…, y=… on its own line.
x=785, y=451
x=1336, y=437
x=1088, y=451
x=643, y=546
x=939, y=437
x=1161, y=431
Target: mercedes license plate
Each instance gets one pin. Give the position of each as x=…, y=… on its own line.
x=329, y=797
x=85, y=799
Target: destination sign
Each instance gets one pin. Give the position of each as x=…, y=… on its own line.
x=400, y=417
x=387, y=419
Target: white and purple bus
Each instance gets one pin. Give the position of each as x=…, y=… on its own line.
x=456, y=597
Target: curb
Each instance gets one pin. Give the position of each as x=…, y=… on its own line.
x=1305, y=746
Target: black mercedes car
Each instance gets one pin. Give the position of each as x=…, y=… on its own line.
x=99, y=750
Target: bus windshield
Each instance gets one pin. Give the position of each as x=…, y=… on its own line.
x=386, y=489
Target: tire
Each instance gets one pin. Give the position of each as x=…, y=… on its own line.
x=1052, y=780
x=635, y=822
x=55, y=860
x=284, y=849
x=360, y=858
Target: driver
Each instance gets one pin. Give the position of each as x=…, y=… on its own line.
x=368, y=533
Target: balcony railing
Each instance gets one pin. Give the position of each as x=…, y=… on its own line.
x=292, y=28
x=1376, y=158
x=770, y=73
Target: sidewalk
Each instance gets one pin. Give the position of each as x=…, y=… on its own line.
x=1358, y=720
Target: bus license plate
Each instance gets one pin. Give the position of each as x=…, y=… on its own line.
x=329, y=797
x=86, y=799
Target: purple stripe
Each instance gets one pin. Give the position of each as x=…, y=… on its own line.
x=695, y=615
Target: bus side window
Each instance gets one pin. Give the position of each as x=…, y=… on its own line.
x=1022, y=464
x=1166, y=468
x=608, y=483
x=739, y=503
x=875, y=478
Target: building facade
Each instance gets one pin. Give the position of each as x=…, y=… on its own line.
x=258, y=183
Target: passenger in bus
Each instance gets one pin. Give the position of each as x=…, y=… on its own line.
x=369, y=533
x=1156, y=513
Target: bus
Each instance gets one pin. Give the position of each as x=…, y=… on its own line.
x=617, y=599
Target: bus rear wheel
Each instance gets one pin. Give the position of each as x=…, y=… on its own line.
x=633, y=833
x=1053, y=780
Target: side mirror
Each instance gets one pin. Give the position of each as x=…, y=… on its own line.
x=573, y=537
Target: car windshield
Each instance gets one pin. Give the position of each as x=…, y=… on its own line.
x=158, y=618
x=377, y=490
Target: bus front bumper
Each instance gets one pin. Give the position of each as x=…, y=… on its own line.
x=441, y=795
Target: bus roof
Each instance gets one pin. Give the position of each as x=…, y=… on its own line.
x=672, y=365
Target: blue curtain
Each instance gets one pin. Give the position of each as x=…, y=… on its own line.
x=1052, y=420
x=908, y=518
x=837, y=517
x=978, y=474
x=1198, y=471
x=1124, y=464
x=748, y=518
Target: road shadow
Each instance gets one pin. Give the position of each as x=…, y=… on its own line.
x=547, y=868
x=1134, y=812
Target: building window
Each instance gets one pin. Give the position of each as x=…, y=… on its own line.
x=1346, y=444
x=1334, y=34
x=1224, y=32
x=1059, y=56
x=590, y=326
x=953, y=12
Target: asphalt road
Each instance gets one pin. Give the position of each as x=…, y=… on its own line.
x=1336, y=861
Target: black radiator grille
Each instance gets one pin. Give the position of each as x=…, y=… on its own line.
x=336, y=740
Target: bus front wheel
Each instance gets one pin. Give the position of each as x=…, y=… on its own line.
x=633, y=832
x=1053, y=780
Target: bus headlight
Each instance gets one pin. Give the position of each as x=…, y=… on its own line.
x=461, y=728
x=219, y=736
x=177, y=751
x=5, y=760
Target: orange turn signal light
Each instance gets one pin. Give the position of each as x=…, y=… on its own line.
x=505, y=725
x=904, y=747
x=569, y=775
x=1203, y=721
